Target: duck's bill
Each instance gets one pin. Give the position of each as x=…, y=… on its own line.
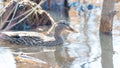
x=72, y=30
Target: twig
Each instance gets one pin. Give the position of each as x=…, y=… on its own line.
x=14, y=13
x=7, y=14
x=20, y=15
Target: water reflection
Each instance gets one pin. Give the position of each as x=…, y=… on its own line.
x=6, y=58
x=58, y=9
x=82, y=49
x=106, y=42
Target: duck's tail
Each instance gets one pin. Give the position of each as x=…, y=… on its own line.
x=4, y=37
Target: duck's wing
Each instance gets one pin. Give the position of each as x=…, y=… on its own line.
x=30, y=33
x=23, y=40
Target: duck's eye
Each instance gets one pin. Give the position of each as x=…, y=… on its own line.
x=64, y=23
x=67, y=24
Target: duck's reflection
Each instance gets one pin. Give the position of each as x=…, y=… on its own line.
x=106, y=42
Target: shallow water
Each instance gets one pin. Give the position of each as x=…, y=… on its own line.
x=80, y=50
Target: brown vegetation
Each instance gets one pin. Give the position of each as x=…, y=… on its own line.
x=25, y=13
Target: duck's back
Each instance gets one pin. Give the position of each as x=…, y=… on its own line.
x=24, y=40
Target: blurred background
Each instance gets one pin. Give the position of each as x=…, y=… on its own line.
x=88, y=48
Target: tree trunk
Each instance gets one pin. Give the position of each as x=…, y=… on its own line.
x=107, y=16
x=106, y=33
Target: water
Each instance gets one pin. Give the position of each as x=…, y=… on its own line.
x=80, y=50
x=6, y=58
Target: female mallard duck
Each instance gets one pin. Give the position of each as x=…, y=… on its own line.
x=38, y=41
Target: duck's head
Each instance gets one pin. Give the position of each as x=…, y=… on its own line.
x=63, y=25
